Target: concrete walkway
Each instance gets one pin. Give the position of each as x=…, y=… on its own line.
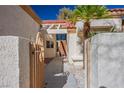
x=59, y=75
x=54, y=74
x=76, y=77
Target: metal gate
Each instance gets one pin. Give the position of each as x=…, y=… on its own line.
x=37, y=63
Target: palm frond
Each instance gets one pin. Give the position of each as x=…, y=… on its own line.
x=87, y=12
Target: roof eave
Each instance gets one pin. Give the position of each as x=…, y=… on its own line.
x=30, y=12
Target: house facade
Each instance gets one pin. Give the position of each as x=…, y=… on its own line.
x=74, y=38
x=19, y=21
x=18, y=28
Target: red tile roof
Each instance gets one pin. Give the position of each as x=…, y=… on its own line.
x=53, y=21
x=117, y=12
x=62, y=22
x=116, y=9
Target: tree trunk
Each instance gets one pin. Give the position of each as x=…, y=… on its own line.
x=86, y=30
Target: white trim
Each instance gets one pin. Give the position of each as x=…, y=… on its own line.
x=58, y=26
x=56, y=31
x=50, y=26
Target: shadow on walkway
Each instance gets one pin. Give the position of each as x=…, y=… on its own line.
x=54, y=75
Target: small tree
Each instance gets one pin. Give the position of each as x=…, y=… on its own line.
x=88, y=12
x=64, y=13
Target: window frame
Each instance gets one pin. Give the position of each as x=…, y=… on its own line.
x=49, y=44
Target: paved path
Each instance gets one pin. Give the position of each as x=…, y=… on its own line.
x=57, y=78
x=54, y=74
x=76, y=77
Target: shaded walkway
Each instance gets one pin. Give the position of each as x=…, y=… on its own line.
x=54, y=73
x=59, y=75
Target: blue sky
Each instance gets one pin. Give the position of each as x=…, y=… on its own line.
x=49, y=12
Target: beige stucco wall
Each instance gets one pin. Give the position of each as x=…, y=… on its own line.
x=14, y=62
x=17, y=29
x=50, y=52
x=15, y=21
x=24, y=62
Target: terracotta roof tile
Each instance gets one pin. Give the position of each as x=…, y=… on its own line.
x=62, y=22
x=53, y=21
x=117, y=12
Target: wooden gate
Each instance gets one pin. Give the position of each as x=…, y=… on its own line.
x=37, y=63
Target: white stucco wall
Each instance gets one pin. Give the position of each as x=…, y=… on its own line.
x=104, y=22
x=14, y=62
x=74, y=47
x=107, y=60
x=15, y=21
x=108, y=22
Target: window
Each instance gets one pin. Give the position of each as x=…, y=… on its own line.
x=61, y=36
x=49, y=44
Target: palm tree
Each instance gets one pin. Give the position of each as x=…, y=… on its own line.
x=84, y=13
x=88, y=12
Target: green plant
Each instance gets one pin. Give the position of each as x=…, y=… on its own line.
x=64, y=13
x=88, y=12
x=90, y=34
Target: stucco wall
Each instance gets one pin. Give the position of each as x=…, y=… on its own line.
x=75, y=51
x=107, y=60
x=103, y=22
x=24, y=63
x=14, y=62
x=108, y=22
x=15, y=21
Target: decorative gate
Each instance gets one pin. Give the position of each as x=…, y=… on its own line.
x=37, y=63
